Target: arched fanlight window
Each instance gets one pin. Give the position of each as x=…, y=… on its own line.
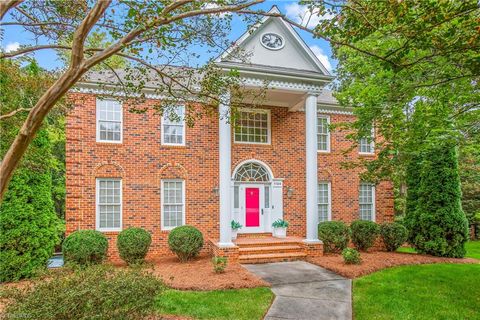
x=252, y=172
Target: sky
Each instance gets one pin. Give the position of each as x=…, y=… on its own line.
x=14, y=36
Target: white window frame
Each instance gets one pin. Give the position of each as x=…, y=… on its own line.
x=162, y=203
x=97, y=113
x=372, y=144
x=269, y=126
x=162, y=130
x=323, y=116
x=373, y=201
x=329, y=210
x=97, y=205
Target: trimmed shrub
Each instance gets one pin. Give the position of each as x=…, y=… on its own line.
x=29, y=226
x=96, y=292
x=351, y=256
x=364, y=233
x=393, y=235
x=133, y=245
x=185, y=242
x=438, y=226
x=85, y=247
x=335, y=235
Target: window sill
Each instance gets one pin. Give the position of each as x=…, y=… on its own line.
x=323, y=151
x=366, y=154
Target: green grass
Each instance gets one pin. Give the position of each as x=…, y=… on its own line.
x=473, y=249
x=439, y=291
x=248, y=304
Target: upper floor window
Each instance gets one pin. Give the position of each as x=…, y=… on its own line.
x=367, y=145
x=109, y=204
x=173, y=127
x=367, y=201
x=324, y=201
x=109, y=121
x=323, y=133
x=252, y=126
x=173, y=204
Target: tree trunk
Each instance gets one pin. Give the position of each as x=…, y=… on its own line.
x=33, y=122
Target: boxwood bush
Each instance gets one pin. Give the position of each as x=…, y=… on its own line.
x=133, y=245
x=186, y=242
x=95, y=292
x=85, y=247
x=334, y=234
x=393, y=235
x=351, y=256
x=364, y=233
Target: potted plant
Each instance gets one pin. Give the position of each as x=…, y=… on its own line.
x=235, y=226
x=280, y=228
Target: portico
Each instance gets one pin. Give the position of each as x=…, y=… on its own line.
x=281, y=71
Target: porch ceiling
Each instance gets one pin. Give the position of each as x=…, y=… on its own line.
x=293, y=100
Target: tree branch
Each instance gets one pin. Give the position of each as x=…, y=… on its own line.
x=83, y=30
x=6, y=5
x=12, y=113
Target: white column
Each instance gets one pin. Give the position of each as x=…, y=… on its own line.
x=311, y=166
x=225, y=153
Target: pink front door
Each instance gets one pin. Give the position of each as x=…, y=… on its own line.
x=252, y=207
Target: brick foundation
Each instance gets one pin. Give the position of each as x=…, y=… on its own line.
x=230, y=253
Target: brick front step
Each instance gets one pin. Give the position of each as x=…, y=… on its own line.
x=270, y=249
x=267, y=241
x=272, y=257
x=254, y=235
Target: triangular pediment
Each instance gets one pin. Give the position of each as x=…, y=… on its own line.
x=293, y=53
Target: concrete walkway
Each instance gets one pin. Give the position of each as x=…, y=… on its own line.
x=305, y=291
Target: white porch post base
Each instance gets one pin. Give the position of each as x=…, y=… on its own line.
x=311, y=166
x=311, y=241
x=225, y=154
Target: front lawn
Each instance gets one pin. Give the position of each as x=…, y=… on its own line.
x=218, y=304
x=472, y=247
x=439, y=291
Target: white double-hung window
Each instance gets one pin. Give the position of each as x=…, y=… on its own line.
x=173, y=127
x=252, y=126
x=367, y=145
x=367, y=201
x=109, y=204
x=109, y=121
x=173, y=204
x=324, y=201
x=323, y=133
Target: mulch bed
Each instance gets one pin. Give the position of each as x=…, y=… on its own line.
x=199, y=275
x=374, y=261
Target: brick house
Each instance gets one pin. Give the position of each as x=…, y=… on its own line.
x=280, y=161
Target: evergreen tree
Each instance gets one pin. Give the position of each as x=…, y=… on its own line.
x=29, y=226
x=438, y=226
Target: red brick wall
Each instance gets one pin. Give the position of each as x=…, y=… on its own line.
x=141, y=161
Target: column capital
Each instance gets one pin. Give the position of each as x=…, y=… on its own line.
x=313, y=93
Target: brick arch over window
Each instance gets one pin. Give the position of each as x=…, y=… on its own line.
x=109, y=169
x=173, y=171
x=324, y=175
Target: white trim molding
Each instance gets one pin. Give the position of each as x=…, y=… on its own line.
x=281, y=84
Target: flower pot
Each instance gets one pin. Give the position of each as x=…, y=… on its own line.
x=280, y=232
x=234, y=234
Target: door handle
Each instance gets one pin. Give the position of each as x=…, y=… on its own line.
x=262, y=212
